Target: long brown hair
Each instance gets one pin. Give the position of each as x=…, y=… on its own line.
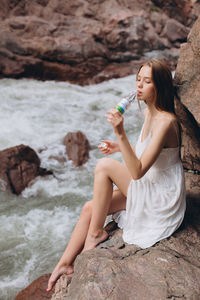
x=163, y=82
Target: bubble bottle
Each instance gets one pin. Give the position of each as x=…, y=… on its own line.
x=125, y=102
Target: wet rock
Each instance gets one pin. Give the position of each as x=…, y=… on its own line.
x=77, y=147
x=36, y=290
x=41, y=39
x=19, y=166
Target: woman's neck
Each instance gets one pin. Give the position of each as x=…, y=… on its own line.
x=153, y=112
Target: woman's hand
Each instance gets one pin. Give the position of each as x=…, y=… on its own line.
x=108, y=147
x=116, y=119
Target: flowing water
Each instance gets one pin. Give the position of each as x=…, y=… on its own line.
x=35, y=226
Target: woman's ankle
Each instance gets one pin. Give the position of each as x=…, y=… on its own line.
x=95, y=238
x=96, y=233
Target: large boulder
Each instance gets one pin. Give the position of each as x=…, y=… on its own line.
x=187, y=81
x=19, y=165
x=77, y=147
x=88, y=41
x=115, y=270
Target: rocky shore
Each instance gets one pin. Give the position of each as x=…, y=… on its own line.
x=90, y=41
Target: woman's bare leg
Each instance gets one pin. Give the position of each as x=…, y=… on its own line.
x=107, y=171
x=116, y=201
x=74, y=247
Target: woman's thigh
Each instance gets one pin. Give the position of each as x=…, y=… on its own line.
x=116, y=171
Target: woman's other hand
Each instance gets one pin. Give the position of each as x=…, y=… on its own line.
x=108, y=147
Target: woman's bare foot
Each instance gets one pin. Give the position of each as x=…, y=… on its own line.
x=58, y=271
x=93, y=240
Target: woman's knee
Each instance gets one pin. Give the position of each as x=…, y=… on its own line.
x=103, y=164
x=87, y=208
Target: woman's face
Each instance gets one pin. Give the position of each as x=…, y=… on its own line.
x=145, y=86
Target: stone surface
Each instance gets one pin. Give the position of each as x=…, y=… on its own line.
x=115, y=270
x=193, y=185
x=181, y=10
x=77, y=147
x=36, y=290
x=19, y=166
x=89, y=41
x=187, y=81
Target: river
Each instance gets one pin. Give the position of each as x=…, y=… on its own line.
x=35, y=226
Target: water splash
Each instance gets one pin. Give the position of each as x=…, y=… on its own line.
x=35, y=226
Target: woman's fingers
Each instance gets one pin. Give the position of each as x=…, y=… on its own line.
x=114, y=114
x=104, y=150
x=105, y=147
x=114, y=119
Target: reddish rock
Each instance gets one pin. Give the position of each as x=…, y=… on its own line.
x=187, y=81
x=193, y=185
x=181, y=10
x=77, y=147
x=36, y=290
x=41, y=39
x=19, y=166
x=175, y=31
x=116, y=270
x=188, y=72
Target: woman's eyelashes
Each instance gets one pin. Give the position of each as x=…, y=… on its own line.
x=139, y=81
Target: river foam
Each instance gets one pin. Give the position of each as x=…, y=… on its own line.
x=35, y=226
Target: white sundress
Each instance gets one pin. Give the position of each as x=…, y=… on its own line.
x=156, y=202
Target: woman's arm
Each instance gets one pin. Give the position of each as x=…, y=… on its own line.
x=138, y=167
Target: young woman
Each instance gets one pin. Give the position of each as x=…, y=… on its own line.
x=149, y=204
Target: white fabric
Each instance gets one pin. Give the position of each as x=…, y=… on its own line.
x=156, y=203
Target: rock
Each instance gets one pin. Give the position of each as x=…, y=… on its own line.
x=192, y=185
x=187, y=73
x=41, y=39
x=36, y=290
x=187, y=81
x=181, y=10
x=115, y=270
x=77, y=147
x=175, y=31
x=19, y=166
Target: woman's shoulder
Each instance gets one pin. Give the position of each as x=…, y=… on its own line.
x=166, y=119
x=165, y=122
x=168, y=124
